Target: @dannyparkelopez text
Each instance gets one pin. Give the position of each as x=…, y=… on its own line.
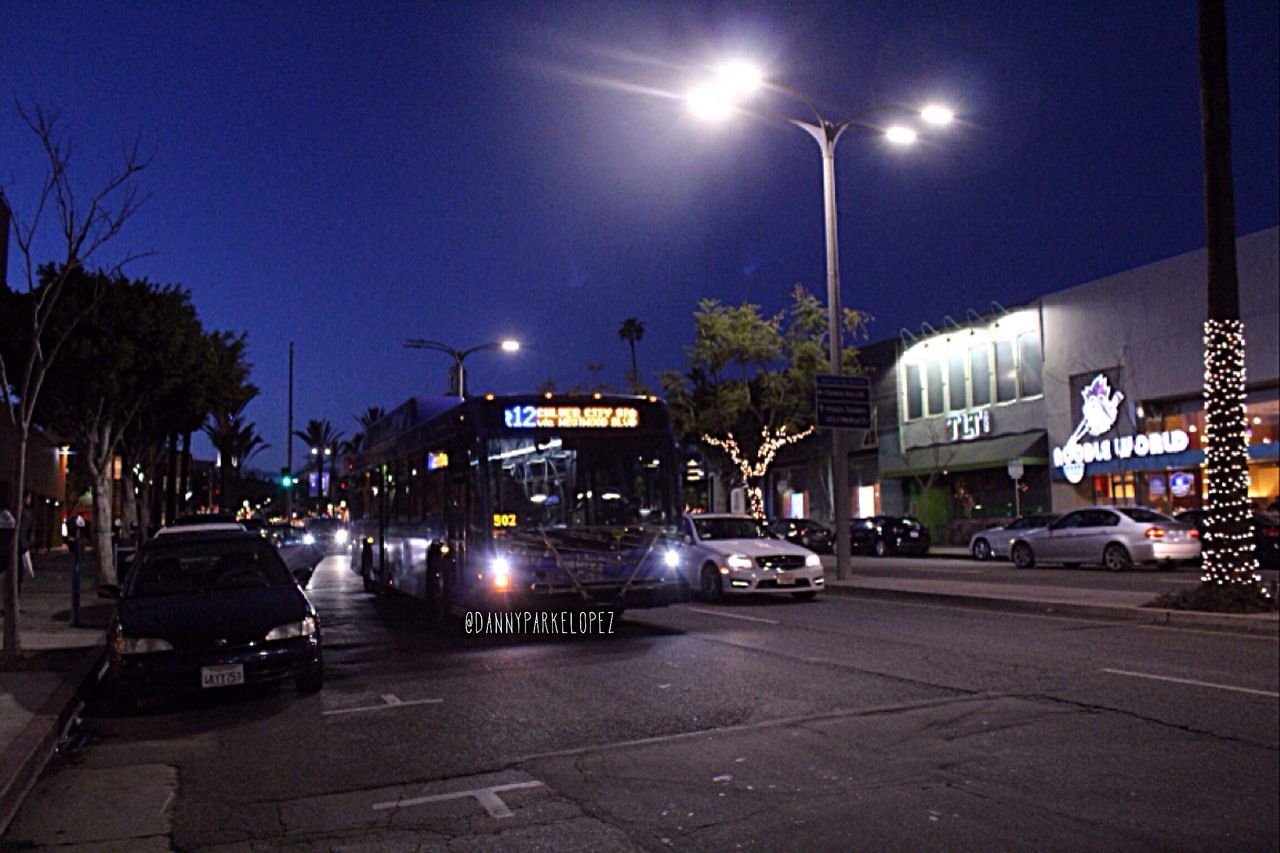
x=539, y=622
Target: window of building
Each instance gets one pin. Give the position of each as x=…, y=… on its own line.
x=957, y=394
x=980, y=372
x=1029, y=365
x=1006, y=373
x=933, y=376
x=915, y=393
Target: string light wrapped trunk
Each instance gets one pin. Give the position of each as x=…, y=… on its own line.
x=752, y=471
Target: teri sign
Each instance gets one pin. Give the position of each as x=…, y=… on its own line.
x=1099, y=411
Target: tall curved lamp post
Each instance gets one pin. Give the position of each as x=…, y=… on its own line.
x=720, y=98
x=459, y=356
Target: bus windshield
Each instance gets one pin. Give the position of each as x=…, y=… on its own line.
x=575, y=480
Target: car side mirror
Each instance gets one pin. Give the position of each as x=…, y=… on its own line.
x=109, y=590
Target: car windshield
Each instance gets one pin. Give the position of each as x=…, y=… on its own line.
x=200, y=567
x=579, y=481
x=1145, y=515
x=731, y=528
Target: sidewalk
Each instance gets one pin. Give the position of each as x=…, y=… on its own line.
x=41, y=693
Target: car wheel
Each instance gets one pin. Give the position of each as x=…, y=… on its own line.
x=804, y=596
x=312, y=681
x=881, y=548
x=1116, y=558
x=712, y=587
x=1023, y=557
x=981, y=550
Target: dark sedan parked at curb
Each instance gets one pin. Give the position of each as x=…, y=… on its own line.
x=210, y=610
x=1266, y=534
x=806, y=533
x=885, y=535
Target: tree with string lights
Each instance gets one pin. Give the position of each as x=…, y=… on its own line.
x=748, y=392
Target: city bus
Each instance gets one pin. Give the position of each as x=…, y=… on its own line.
x=535, y=502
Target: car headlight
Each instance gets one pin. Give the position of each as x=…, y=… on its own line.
x=671, y=558
x=305, y=628
x=341, y=537
x=813, y=561
x=308, y=539
x=140, y=645
x=738, y=561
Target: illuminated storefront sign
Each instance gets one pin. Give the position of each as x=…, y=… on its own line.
x=437, y=460
x=1099, y=412
x=571, y=417
x=966, y=426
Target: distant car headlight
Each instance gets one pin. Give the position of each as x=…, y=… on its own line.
x=305, y=628
x=341, y=537
x=308, y=539
x=813, y=561
x=671, y=559
x=140, y=645
x=738, y=561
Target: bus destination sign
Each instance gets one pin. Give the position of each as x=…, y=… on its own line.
x=571, y=417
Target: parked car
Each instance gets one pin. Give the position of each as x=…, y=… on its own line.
x=806, y=533
x=1117, y=537
x=727, y=554
x=995, y=541
x=210, y=610
x=300, y=557
x=1266, y=534
x=885, y=535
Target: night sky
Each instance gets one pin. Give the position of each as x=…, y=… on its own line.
x=349, y=175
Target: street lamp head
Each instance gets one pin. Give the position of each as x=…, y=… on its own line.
x=739, y=77
x=900, y=135
x=710, y=102
x=510, y=346
x=937, y=114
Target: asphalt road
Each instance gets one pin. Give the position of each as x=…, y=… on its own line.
x=842, y=724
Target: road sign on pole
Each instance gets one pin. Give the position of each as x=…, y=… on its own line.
x=842, y=402
x=1015, y=469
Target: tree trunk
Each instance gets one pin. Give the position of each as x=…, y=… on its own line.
x=184, y=479
x=128, y=497
x=12, y=639
x=171, y=482
x=103, y=552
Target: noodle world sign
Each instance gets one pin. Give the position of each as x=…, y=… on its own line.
x=1099, y=413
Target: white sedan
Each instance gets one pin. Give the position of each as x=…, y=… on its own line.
x=736, y=554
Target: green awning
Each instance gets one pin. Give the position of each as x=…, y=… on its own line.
x=1030, y=447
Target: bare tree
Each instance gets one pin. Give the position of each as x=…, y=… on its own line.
x=83, y=226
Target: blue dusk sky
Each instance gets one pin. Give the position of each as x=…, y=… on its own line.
x=349, y=175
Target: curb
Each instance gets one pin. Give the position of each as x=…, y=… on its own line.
x=29, y=752
x=1224, y=622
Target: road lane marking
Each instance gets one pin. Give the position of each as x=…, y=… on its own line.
x=487, y=797
x=733, y=616
x=389, y=700
x=1192, y=681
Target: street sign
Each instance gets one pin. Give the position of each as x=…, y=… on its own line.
x=842, y=402
x=1015, y=469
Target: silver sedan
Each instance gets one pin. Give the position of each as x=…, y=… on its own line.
x=995, y=541
x=1117, y=537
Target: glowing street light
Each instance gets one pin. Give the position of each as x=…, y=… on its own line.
x=720, y=98
x=508, y=345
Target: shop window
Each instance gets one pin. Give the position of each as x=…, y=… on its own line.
x=1006, y=373
x=1262, y=422
x=1029, y=365
x=980, y=374
x=956, y=392
x=933, y=379
x=915, y=393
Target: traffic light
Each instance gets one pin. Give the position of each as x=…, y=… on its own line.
x=286, y=478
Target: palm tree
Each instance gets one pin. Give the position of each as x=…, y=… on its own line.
x=632, y=331
x=236, y=441
x=320, y=436
x=371, y=415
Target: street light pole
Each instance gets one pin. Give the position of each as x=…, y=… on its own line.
x=459, y=355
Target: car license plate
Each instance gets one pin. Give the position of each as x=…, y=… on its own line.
x=785, y=579
x=914, y=534
x=225, y=675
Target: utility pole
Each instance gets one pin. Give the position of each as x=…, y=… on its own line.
x=288, y=493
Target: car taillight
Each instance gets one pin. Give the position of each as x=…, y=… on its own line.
x=1154, y=533
x=1271, y=531
x=1194, y=534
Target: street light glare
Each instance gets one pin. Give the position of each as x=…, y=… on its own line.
x=739, y=77
x=710, y=102
x=510, y=346
x=900, y=135
x=937, y=114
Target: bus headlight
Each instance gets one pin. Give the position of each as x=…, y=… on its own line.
x=501, y=572
x=738, y=561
